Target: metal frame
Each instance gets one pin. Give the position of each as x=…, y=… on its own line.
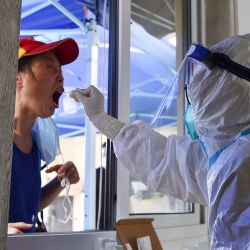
x=153, y=18
x=57, y=5
x=34, y=9
x=67, y=13
x=109, y=217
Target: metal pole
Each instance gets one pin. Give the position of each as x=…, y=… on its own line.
x=90, y=143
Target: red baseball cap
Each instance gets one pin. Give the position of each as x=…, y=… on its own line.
x=66, y=50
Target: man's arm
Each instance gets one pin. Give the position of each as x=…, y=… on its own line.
x=51, y=190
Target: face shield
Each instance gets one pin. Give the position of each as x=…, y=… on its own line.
x=195, y=54
x=206, y=64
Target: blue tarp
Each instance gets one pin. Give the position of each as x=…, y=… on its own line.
x=50, y=17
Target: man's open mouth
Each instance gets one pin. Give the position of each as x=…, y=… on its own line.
x=56, y=97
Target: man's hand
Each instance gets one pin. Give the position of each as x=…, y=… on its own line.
x=15, y=228
x=68, y=169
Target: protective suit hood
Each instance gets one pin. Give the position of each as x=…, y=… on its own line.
x=220, y=99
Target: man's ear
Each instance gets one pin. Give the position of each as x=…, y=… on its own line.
x=19, y=82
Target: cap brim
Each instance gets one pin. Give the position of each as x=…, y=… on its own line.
x=66, y=50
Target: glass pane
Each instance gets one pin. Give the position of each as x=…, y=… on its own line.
x=152, y=68
x=48, y=23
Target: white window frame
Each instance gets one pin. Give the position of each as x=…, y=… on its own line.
x=162, y=222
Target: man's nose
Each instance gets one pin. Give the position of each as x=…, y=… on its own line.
x=60, y=80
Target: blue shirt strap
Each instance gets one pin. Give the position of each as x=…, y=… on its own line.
x=216, y=155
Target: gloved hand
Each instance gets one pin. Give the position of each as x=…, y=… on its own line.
x=93, y=102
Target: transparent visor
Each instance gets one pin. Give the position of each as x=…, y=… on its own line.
x=195, y=54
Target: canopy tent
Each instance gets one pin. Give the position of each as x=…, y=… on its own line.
x=151, y=14
x=152, y=59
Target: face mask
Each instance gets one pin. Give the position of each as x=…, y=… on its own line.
x=189, y=123
x=46, y=137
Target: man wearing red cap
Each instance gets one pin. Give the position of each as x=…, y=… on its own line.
x=39, y=85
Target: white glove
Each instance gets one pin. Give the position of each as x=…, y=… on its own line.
x=93, y=102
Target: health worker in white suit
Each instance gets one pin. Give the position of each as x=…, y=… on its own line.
x=213, y=170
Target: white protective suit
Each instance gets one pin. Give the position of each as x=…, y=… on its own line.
x=177, y=166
